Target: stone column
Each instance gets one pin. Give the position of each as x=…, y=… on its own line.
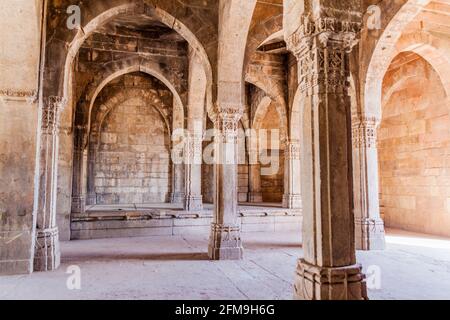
x=177, y=154
x=292, y=194
x=47, y=254
x=225, y=240
x=322, y=44
x=369, y=227
x=255, y=192
x=254, y=171
x=78, y=195
x=177, y=196
x=90, y=169
x=193, y=172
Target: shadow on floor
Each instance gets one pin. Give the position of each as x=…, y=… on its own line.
x=97, y=256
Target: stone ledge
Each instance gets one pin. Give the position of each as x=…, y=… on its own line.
x=95, y=229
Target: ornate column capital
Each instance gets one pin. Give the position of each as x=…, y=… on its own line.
x=193, y=149
x=321, y=46
x=328, y=30
x=227, y=121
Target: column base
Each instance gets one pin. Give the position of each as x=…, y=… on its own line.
x=255, y=197
x=177, y=197
x=47, y=256
x=369, y=234
x=225, y=243
x=320, y=283
x=78, y=204
x=292, y=201
x=193, y=203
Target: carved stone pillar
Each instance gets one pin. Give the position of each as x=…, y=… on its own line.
x=292, y=198
x=369, y=227
x=193, y=172
x=47, y=254
x=78, y=194
x=322, y=44
x=254, y=168
x=225, y=240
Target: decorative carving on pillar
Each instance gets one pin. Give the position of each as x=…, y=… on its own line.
x=29, y=96
x=292, y=198
x=47, y=255
x=225, y=243
x=50, y=114
x=193, y=149
x=321, y=283
x=321, y=48
x=227, y=123
x=322, y=44
x=369, y=227
x=225, y=240
x=193, y=160
x=365, y=133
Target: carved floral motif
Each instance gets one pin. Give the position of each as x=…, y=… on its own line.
x=365, y=133
x=50, y=112
x=227, y=122
x=321, y=47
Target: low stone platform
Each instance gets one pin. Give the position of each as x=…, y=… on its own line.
x=111, y=221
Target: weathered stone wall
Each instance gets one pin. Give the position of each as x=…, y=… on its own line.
x=132, y=159
x=19, y=60
x=414, y=148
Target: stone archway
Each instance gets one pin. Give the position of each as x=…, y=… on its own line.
x=57, y=91
x=83, y=125
x=401, y=31
x=136, y=7
x=119, y=68
x=151, y=141
x=127, y=159
x=266, y=125
x=384, y=52
x=412, y=142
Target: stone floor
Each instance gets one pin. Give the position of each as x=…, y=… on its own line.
x=413, y=267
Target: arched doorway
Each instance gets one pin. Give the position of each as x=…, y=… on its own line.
x=414, y=136
x=126, y=160
x=130, y=142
